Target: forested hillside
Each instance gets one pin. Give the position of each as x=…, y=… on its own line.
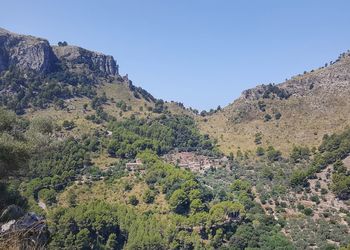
x=90, y=161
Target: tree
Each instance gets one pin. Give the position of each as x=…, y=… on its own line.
x=196, y=206
x=298, y=177
x=111, y=243
x=133, y=200
x=277, y=241
x=339, y=167
x=59, y=103
x=225, y=211
x=42, y=125
x=82, y=239
x=258, y=138
x=148, y=196
x=240, y=185
x=68, y=125
x=13, y=154
x=72, y=199
x=299, y=153
x=267, y=117
x=260, y=151
x=218, y=238
x=308, y=211
x=62, y=44
x=47, y=195
x=179, y=201
x=278, y=115
x=341, y=185
x=7, y=120
x=273, y=154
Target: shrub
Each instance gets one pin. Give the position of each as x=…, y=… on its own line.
x=308, y=211
x=47, y=195
x=315, y=199
x=148, y=196
x=273, y=154
x=267, y=117
x=260, y=151
x=300, y=207
x=133, y=200
x=68, y=125
x=324, y=191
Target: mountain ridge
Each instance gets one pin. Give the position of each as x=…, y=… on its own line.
x=268, y=110
x=307, y=106
x=29, y=53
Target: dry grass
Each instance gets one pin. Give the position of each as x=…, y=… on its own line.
x=115, y=194
x=300, y=124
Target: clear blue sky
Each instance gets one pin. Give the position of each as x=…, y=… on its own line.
x=202, y=53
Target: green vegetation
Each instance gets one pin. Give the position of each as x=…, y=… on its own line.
x=160, y=135
x=333, y=149
x=299, y=153
x=42, y=90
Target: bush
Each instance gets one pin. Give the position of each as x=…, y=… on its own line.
x=148, y=196
x=47, y=195
x=133, y=200
x=267, y=117
x=278, y=115
x=273, y=154
x=308, y=211
x=315, y=199
x=300, y=207
x=324, y=191
x=68, y=125
x=260, y=151
x=258, y=138
x=299, y=153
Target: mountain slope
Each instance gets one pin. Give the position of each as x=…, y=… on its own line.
x=299, y=111
x=64, y=81
x=105, y=165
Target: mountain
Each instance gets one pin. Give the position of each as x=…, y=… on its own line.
x=64, y=81
x=32, y=54
x=299, y=111
x=90, y=161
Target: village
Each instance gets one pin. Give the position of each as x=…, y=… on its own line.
x=187, y=160
x=196, y=162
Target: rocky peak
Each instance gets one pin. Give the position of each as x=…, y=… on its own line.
x=76, y=57
x=25, y=53
x=335, y=74
x=32, y=54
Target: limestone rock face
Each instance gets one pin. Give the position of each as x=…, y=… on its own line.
x=32, y=54
x=73, y=56
x=25, y=53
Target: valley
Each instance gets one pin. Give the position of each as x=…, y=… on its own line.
x=99, y=163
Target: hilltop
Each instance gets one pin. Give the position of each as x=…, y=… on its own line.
x=299, y=111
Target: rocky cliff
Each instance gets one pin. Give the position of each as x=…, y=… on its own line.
x=32, y=54
x=76, y=57
x=25, y=53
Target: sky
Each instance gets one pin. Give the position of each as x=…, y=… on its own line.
x=202, y=53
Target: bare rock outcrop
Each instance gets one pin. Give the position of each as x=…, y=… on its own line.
x=32, y=54
x=25, y=53
x=76, y=57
